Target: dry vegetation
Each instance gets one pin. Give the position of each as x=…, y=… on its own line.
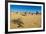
x=29, y=20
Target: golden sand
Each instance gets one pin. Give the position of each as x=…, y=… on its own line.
x=30, y=21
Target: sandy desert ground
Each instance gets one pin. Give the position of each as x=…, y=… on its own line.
x=30, y=21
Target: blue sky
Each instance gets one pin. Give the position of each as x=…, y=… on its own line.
x=24, y=8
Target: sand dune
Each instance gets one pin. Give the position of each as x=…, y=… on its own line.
x=30, y=21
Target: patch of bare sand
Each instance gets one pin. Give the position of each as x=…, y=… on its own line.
x=30, y=21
